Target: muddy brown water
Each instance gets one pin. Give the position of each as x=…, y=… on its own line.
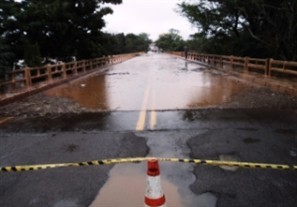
x=150, y=82
x=168, y=83
x=127, y=187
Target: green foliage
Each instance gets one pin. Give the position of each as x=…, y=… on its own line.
x=258, y=28
x=7, y=9
x=58, y=29
x=170, y=41
x=121, y=43
x=6, y=56
x=32, y=29
x=32, y=54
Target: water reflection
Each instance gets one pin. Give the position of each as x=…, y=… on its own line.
x=215, y=90
x=174, y=83
x=90, y=93
x=126, y=187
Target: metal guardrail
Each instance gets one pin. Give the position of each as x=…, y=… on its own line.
x=269, y=67
x=28, y=77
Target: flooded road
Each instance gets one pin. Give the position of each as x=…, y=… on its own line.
x=152, y=105
x=126, y=184
x=150, y=82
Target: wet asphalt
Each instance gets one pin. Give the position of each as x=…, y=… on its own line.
x=140, y=118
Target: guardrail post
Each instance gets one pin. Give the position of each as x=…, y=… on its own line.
x=84, y=65
x=64, y=73
x=28, y=79
x=49, y=73
x=267, y=67
x=74, y=68
x=91, y=64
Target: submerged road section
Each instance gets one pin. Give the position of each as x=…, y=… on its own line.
x=151, y=105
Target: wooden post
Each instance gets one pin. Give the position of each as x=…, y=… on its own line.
x=64, y=72
x=84, y=65
x=91, y=64
x=74, y=69
x=28, y=80
x=268, y=67
x=49, y=73
x=38, y=72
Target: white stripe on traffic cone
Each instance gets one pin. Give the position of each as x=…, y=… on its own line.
x=154, y=195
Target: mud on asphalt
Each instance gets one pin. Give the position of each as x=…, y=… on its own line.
x=258, y=127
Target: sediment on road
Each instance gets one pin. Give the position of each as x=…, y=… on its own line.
x=251, y=97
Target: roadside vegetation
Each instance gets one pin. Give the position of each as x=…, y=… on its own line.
x=34, y=30
x=59, y=29
x=254, y=28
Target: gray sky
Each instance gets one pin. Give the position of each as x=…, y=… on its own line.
x=150, y=16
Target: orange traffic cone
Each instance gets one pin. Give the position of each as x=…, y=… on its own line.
x=154, y=195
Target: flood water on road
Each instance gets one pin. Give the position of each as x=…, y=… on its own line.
x=151, y=82
x=126, y=183
x=126, y=187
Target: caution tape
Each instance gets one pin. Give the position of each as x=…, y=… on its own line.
x=21, y=168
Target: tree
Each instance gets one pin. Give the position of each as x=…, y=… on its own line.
x=170, y=41
x=32, y=54
x=263, y=28
x=136, y=43
x=60, y=28
x=6, y=57
x=121, y=43
x=8, y=9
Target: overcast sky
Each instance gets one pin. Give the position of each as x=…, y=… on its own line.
x=150, y=16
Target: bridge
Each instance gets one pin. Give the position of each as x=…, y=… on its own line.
x=204, y=107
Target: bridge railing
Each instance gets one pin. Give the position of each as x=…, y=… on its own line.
x=269, y=67
x=35, y=76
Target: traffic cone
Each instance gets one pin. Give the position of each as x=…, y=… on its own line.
x=154, y=195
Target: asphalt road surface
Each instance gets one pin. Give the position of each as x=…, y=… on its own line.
x=152, y=105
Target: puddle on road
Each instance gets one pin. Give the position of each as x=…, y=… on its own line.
x=90, y=93
x=172, y=84
x=126, y=184
x=126, y=188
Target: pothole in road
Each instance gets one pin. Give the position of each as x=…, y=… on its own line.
x=126, y=187
x=127, y=182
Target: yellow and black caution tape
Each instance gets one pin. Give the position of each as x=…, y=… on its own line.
x=141, y=159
